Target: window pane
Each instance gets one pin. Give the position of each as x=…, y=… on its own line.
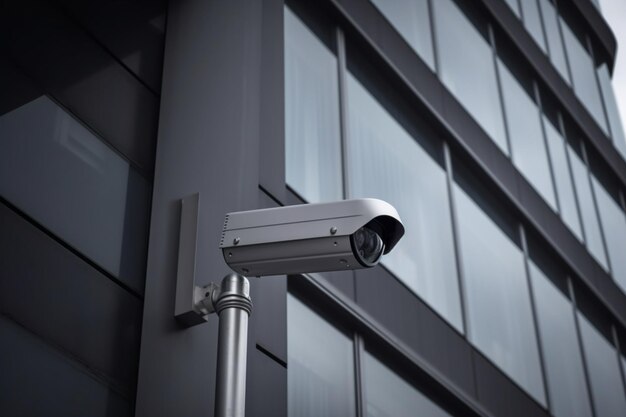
x=500, y=318
x=411, y=19
x=564, y=366
x=555, y=44
x=587, y=208
x=514, y=6
x=387, y=394
x=613, y=220
x=615, y=122
x=38, y=380
x=528, y=148
x=386, y=162
x=320, y=372
x=467, y=68
x=563, y=179
x=584, y=76
x=532, y=22
x=312, y=147
x=65, y=178
x=604, y=376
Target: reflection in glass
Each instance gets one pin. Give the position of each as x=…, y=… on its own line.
x=615, y=121
x=312, y=142
x=500, y=320
x=613, y=220
x=65, y=178
x=564, y=367
x=584, y=76
x=528, y=148
x=387, y=394
x=467, y=68
x=38, y=380
x=320, y=371
x=563, y=179
x=603, y=367
x=411, y=19
x=553, y=36
x=532, y=22
x=591, y=227
x=386, y=162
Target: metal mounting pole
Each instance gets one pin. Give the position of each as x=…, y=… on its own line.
x=233, y=306
x=230, y=300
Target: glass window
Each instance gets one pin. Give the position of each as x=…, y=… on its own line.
x=500, y=321
x=387, y=394
x=320, y=371
x=604, y=375
x=467, y=68
x=613, y=220
x=563, y=179
x=584, y=76
x=615, y=121
x=64, y=177
x=564, y=367
x=553, y=36
x=411, y=19
x=312, y=138
x=528, y=148
x=591, y=226
x=514, y=6
x=387, y=162
x=532, y=22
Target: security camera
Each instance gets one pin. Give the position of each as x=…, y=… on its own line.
x=350, y=234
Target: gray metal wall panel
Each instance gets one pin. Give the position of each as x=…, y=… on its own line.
x=272, y=150
x=68, y=64
x=266, y=386
x=412, y=322
x=499, y=396
x=53, y=293
x=208, y=143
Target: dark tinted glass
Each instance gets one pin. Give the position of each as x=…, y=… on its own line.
x=615, y=122
x=500, y=321
x=387, y=394
x=532, y=22
x=591, y=225
x=312, y=141
x=553, y=36
x=604, y=374
x=528, y=148
x=320, y=371
x=65, y=178
x=584, y=75
x=561, y=350
x=563, y=179
x=411, y=19
x=613, y=221
x=37, y=380
x=387, y=162
x=467, y=68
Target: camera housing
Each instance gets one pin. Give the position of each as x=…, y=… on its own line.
x=306, y=238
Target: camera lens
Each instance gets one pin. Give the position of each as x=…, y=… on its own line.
x=367, y=246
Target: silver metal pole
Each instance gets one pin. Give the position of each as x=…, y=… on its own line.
x=233, y=305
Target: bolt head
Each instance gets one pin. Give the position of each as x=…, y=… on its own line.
x=236, y=241
x=333, y=230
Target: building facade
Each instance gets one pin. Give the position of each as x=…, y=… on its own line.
x=490, y=125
